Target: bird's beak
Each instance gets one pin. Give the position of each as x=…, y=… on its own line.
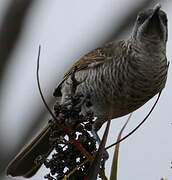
x=154, y=19
x=156, y=10
x=154, y=25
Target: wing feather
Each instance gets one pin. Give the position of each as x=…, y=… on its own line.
x=92, y=59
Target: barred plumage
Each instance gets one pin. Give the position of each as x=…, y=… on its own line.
x=123, y=82
x=119, y=77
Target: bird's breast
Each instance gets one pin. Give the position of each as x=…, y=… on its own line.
x=120, y=87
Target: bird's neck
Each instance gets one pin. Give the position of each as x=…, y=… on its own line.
x=149, y=51
x=147, y=61
x=150, y=46
x=146, y=67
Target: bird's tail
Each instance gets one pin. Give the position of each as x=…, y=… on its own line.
x=23, y=163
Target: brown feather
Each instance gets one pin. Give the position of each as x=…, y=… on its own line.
x=90, y=60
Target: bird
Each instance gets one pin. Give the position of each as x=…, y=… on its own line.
x=120, y=77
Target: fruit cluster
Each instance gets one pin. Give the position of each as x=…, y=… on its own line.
x=67, y=157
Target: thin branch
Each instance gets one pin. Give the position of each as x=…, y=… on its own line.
x=137, y=127
x=66, y=130
x=39, y=87
x=95, y=166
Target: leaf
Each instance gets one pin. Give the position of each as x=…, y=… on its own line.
x=94, y=168
x=114, y=166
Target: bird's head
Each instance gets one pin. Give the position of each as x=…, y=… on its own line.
x=151, y=25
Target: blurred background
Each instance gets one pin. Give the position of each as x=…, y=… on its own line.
x=67, y=30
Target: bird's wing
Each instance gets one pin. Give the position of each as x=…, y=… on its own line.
x=92, y=59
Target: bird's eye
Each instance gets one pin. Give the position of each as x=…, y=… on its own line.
x=141, y=18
